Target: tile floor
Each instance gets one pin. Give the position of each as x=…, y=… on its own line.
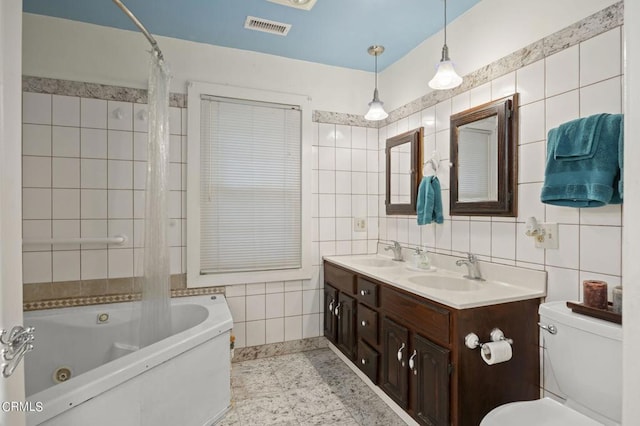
x=306, y=388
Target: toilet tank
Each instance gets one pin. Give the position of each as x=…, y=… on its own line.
x=585, y=356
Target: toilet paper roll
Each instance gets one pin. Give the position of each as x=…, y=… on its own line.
x=496, y=352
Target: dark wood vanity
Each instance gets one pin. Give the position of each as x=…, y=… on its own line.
x=413, y=348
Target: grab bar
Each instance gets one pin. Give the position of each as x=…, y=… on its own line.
x=117, y=240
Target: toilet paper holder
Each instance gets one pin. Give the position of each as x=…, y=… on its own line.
x=472, y=341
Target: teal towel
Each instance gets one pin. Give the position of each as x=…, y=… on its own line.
x=621, y=160
x=585, y=182
x=575, y=140
x=429, y=204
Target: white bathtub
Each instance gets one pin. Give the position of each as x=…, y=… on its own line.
x=181, y=380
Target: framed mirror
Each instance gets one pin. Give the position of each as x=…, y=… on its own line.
x=404, y=171
x=485, y=159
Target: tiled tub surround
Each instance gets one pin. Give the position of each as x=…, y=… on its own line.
x=65, y=294
x=84, y=177
x=84, y=172
x=347, y=152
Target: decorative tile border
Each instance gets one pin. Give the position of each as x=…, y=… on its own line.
x=591, y=26
x=53, y=86
x=64, y=294
x=341, y=118
x=112, y=298
x=281, y=348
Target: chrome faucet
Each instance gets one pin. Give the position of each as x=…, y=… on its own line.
x=473, y=271
x=397, y=251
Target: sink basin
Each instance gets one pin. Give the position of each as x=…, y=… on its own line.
x=446, y=283
x=378, y=263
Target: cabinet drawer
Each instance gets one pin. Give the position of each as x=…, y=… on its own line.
x=368, y=324
x=368, y=292
x=418, y=314
x=339, y=278
x=368, y=361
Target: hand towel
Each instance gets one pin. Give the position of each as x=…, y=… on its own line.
x=584, y=181
x=575, y=140
x=429, y=203
x=621, y=160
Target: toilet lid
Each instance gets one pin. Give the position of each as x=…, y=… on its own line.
x=541, y=412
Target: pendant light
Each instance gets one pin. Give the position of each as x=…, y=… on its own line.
x=376, y=110
x=446, y=76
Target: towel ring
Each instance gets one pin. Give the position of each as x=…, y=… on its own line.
x=434, y=162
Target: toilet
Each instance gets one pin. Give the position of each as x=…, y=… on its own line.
x=585, y=358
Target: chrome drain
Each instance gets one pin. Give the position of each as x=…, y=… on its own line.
x=62, y=374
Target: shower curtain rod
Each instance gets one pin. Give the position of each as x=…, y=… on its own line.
x=154, y=43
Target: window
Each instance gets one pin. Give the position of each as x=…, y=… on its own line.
x=248, y=212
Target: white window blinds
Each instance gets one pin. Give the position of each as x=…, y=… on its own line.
x=250, y=186
x=478, y=176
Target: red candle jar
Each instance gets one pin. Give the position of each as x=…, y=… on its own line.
x=595, y=294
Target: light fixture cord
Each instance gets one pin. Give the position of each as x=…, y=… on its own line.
x=445, y=22
x=376, y=70
x=445, y=48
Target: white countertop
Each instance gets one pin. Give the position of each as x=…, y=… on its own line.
x=503, y=283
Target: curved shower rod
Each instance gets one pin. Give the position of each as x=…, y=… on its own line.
x=154, y=43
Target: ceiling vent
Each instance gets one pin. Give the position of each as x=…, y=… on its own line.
x=267, y=26
x=298, y=4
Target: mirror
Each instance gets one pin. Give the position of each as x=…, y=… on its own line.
x=404, y=171
x=484, y=156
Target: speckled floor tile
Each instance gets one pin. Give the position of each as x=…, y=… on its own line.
x=255, y=383
x=307, y=388
x=373, y=412
x=331, y=418
x=297, y=372
x=312, y=401
x=230, y=419
x=270, y=410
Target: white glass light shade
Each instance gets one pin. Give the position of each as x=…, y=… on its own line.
x=376, y=112
x=446, y=76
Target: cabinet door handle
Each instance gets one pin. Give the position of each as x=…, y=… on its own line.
x=400, y=353
x=363, y=361
x=412, y=363
x=364, y=292
x=336, y=311
x=364, y=323
x=331, y=305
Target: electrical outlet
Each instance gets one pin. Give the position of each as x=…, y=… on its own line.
x=359, y=224
x=549, y=238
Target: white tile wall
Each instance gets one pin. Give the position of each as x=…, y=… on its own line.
x=84, y=166
x=579, y=81
x=78, y=180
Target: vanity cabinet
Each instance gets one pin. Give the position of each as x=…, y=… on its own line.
x=340, y=309
x=429, y=375
x=414, y=366
x=413, y=348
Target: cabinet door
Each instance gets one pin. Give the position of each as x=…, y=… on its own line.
x=430, y=382
x=330, y=302
x=346, y=326
x=395, y=348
